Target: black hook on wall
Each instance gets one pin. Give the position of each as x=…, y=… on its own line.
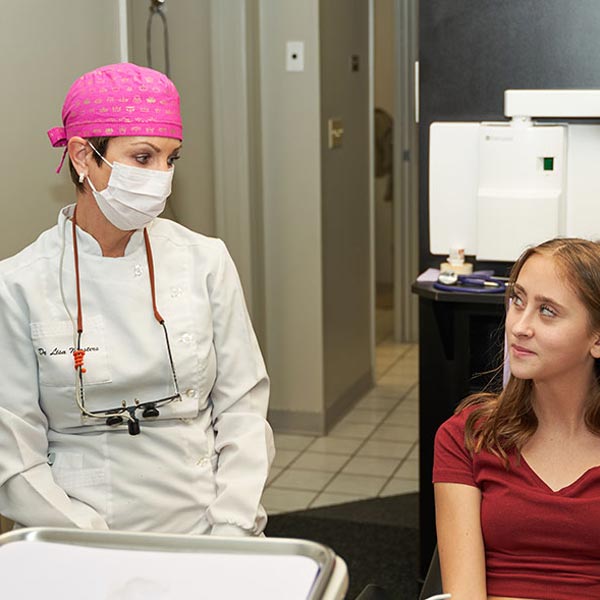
x=157, y=7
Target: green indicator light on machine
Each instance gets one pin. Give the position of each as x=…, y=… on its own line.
x=548, y=163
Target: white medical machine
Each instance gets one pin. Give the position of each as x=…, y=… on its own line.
x=496, y=188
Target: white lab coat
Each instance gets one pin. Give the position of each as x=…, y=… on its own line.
x=202, y=465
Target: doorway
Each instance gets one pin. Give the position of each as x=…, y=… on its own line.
x=394, y=28
x=383, y=186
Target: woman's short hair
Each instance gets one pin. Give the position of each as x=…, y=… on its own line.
x=101, y=144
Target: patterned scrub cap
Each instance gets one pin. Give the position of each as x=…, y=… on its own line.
x=119, y=100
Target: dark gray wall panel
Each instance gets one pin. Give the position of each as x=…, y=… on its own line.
x=472, y=50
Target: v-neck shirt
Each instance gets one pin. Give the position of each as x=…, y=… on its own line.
x=539, y=543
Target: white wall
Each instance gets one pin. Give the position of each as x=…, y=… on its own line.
x=345, y=205
x=192, y=202
x=44, y=47
x=316, y=211
x=292, y=211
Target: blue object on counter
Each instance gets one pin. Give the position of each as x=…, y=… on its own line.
x=482, y=282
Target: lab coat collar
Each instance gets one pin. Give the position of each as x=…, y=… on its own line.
x=87, y=244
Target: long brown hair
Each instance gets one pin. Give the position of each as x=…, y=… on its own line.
x=502, y=423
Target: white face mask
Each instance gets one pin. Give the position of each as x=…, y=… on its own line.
x=133, y=196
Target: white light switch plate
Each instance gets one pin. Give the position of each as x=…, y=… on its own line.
x=294, y=56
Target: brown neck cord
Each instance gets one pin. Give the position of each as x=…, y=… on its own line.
x=78, y=354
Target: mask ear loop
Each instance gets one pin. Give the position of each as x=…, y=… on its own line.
x=82, y=176
x=98, y=153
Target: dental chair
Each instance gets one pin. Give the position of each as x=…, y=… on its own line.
x=433, y=580
x=431, y=587
x=5, y=524
x=373, y=592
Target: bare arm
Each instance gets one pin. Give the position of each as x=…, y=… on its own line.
x=460, y=541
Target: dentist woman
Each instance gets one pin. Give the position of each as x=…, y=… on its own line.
x=134, y=394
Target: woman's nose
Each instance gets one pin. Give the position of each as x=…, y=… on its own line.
x=522, y=324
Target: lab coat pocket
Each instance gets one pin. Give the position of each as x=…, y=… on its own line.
x=53, y=345
x=195, y=368
x=70, y=474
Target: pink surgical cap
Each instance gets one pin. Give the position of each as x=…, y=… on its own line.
x=119, y=100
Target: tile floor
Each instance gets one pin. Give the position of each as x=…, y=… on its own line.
x=372, y=452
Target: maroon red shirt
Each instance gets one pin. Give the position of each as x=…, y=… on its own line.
x=538, y=543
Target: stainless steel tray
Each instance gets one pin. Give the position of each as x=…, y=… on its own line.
x=322, y=555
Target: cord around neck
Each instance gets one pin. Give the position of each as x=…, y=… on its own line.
x=150, y=262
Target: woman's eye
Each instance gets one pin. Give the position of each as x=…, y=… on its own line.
x=517, y=300
x=547, y=311
x=172, y=159
x=142, y=158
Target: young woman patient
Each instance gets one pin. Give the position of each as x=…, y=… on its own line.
x=517, y=474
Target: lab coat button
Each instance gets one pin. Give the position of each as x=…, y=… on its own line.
x=186, y=338
x=137, y=270
x=191, y=393
x=176, y=291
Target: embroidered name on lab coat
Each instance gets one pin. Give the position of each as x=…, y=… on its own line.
x=61, y=351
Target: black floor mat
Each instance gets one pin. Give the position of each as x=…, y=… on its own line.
x=377, y=538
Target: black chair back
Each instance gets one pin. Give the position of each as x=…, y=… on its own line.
x=433, y=579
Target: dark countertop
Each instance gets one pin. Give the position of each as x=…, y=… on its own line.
x=425, y=289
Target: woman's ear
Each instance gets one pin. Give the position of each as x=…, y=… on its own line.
x=79, y=152
x=595, y=350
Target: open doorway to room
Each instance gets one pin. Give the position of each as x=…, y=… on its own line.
x=394, y=32
x=383, y=152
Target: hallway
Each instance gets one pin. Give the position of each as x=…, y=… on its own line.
x=372, y=452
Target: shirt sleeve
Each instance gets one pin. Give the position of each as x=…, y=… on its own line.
x=240, y=396
x=452, y=462
x=28, y=492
